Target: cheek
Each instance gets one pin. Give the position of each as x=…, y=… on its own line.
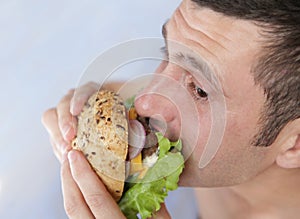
x=237, y=139
x=238, y=130
x=194, y=142
x=242, y=119
x=236, y=160
x=196, y=138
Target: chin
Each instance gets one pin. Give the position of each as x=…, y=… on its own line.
x=209, y=177
x=191, y=177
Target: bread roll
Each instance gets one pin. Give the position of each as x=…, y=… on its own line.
x=102, y=136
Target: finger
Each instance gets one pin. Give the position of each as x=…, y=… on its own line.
x=97, y=197
x=66, y=121
x=56, y=151
x=50, y=121
x=74, y=203
x=81, y=95
x=162, y=213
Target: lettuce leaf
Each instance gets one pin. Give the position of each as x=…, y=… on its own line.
x=146, y=196
x=129, y=102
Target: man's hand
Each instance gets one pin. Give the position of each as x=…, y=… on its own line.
x=85, y=196
x=61, y=122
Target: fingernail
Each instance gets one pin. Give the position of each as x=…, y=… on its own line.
x=72, y=156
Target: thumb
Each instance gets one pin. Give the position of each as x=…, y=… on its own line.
x=162, y=213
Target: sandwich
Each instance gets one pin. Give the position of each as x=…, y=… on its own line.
x=137, y=164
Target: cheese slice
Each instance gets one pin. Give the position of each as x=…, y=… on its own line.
x=136, y=164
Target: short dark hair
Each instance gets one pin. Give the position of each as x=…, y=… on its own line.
x=277, y=71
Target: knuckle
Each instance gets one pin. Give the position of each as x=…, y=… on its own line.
x=48, y=115
x=66, y=99
x=64, y=120
x=63, y=101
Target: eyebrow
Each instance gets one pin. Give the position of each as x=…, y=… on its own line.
x=199, y=67
x=195, y=65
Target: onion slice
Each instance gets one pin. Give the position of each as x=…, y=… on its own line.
x=136, y=138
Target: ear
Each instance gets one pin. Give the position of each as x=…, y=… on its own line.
x=290, y=154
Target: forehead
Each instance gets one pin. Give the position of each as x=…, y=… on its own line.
x=229, y=45
x=214, y=32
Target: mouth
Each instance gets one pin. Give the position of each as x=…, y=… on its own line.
x=158, y=125
x=162, y=127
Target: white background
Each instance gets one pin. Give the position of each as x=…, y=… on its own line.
x=44, y=48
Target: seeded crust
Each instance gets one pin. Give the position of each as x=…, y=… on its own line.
x=102, y=136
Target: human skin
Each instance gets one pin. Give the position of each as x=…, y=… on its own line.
x=231, y=48
x=248, y=175
x=85, y=196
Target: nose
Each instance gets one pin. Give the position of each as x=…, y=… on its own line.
x=149, y=104
x=161, y=111
x=159, y=101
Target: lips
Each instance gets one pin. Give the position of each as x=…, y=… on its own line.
x=164, y=128
x=158, y=125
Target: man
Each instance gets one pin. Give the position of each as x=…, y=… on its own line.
x=253, y=49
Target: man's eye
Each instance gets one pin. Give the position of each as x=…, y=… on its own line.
x=198, y=92
x=201, y=92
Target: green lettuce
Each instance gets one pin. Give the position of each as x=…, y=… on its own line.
x=147, y=194
x=129, y=102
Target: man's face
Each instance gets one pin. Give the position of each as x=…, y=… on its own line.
x=192, y=105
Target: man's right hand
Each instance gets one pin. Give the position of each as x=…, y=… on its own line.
x=85, y=196
x=61, y=122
